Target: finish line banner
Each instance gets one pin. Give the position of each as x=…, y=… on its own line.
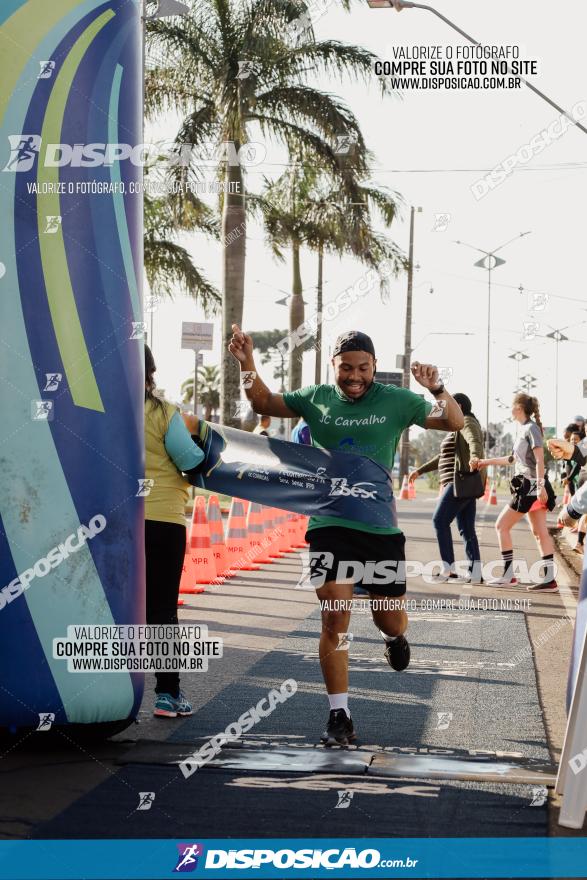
x=294, y=857
x=295, y=477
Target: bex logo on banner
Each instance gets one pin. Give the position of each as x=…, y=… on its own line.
x=340, y=486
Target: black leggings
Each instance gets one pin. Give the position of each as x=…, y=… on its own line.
x=164, y=551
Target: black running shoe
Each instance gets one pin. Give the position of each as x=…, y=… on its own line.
x=397, y=653
x=339, y=730
x=549, y=587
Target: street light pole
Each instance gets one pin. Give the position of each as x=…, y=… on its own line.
x=489, y=266
x=558, y=336
x=518, y=357
x=489, y=262
x=405, y=441
x=398, y=5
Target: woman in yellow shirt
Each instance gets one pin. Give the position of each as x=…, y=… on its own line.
x=170, y=453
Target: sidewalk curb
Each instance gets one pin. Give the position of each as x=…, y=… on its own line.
x=572, y=560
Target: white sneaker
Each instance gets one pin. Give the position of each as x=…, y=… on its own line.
x=451, y=577
x=442, y=578
x=502, y=582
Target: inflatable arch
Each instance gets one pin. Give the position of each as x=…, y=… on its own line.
x=71, y=354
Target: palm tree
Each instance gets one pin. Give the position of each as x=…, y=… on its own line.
x=307, y=207
x=238, y=71
x=342, y=219
x=208, y=390
x=168, y=265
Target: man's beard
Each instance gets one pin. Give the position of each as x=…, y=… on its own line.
x=361, y=395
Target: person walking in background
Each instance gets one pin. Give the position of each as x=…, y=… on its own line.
x=457, y=500
x=170, y=451
x=301, y=433
x=263, y=426
x=532, y=494
x=569, y=514
x=575, y=467
x=573, y=470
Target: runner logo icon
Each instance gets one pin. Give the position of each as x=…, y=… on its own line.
x=340, y=486
x=315, y=567
x=24, y=149
x=188, y=857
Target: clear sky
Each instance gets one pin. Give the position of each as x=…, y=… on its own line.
x=431, y=147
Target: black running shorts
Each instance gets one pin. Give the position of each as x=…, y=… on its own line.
x=522, y=501
x=375, y=562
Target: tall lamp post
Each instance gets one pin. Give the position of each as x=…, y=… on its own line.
x=399, y=5
x=558, y=337
x=490, y=262
x=528, y=383
x=405, y=441
x=518, y=357
x=405, y=448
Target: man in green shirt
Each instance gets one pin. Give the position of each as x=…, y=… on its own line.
x=361, y=416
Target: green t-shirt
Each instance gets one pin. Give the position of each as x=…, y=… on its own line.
x=370, y=426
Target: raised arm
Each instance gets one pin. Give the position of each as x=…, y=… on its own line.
x=478, y=463
x=447, y=414
x=261, y=398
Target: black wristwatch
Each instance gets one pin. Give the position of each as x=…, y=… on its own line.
x=438, y=390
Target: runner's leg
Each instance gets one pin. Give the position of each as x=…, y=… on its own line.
x=504, y=525
x=335, y=604
x=388, y=611
x=545, y=544
x=389, y=620
x=335, y=601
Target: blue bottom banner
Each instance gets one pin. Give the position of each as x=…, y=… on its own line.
x=294, y=857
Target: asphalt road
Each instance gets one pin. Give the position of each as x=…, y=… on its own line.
x=464, y=743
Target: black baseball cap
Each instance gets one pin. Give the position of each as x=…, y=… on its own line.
x=353, y=340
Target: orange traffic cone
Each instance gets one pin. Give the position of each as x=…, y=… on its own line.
x=237, y=542
x=200, y=546
x=217, y=538
x=486, y=493
x=274, y=524
x=255, y=531
x=284, y=544
x=266, y=537
x=493, y=494
x=300, y=526
x=292, y=530
x=187, y=583
x=411, y=489
x=404, y=492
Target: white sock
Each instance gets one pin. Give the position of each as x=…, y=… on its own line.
x=388, y=638
x=339, y=701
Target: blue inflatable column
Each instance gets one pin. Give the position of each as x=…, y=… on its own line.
x=71, y=351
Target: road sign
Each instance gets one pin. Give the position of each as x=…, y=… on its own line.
x=389, y=378
x=197, y=336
